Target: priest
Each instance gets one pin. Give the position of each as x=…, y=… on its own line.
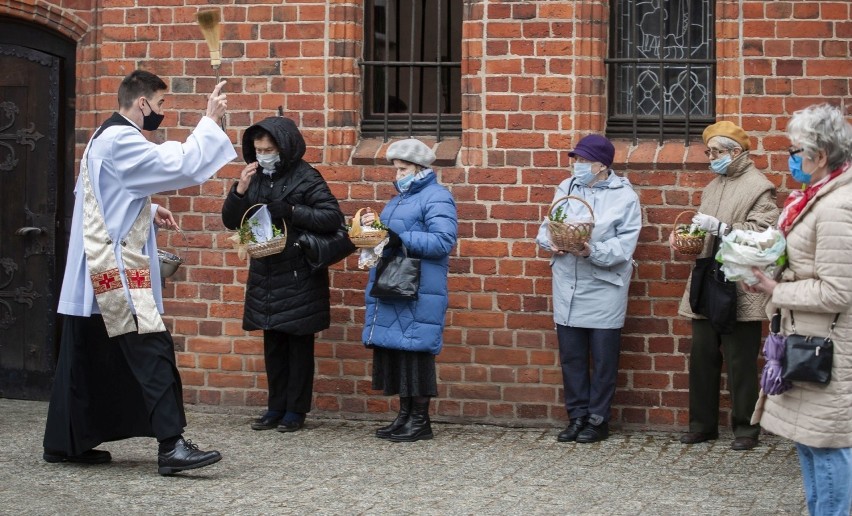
x=117, y=377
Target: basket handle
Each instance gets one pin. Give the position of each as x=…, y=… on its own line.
x=674, y=225
x=243, y=220
x=567, y=197
x=355, y=229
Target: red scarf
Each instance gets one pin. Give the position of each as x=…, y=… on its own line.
x=798, y=200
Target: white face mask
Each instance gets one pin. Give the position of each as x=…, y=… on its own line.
x=268, y=162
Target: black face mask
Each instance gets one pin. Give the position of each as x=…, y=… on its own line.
x=152, y=120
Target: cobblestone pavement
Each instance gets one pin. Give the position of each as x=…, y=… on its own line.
x=338, y=467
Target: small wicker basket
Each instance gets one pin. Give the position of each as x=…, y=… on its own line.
x=272, y=246
x=364, y=238
x=570, y=236
x=685, y=243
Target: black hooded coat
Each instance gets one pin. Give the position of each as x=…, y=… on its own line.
x=281, y=293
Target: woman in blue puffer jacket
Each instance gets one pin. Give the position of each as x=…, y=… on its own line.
x=405, y=335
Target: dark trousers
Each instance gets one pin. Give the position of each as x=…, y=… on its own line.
x=588, y=394
x=289, y=370
x=107, y=389
x=739, y=350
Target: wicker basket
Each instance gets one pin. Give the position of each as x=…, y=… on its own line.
x=684, y=243
x=364, y=238
x=272, y=246
x=570, y=236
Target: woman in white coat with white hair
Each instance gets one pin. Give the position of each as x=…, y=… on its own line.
x=813, y=291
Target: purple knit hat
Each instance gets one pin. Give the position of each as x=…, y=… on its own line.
x=595, y=147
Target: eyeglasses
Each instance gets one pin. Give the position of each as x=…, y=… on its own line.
x=715, y=152
x=793, y=151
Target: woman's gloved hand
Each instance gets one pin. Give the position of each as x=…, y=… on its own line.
x=281, y=210
x=709, y=224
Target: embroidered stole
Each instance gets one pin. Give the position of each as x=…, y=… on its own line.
x=103, y=267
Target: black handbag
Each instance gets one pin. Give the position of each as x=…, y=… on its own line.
x=712, y=295
x=324, y=250
x=397, y=277
x=806, y=358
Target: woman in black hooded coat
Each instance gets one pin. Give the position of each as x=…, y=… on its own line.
x=283, y=297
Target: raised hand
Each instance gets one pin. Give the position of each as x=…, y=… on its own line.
x=245, y=177
x=217, y=103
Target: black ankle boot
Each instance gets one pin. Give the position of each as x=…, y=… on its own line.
x=418, y=425
x=401, y=418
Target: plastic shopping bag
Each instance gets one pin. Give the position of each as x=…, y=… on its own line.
x=743, y=249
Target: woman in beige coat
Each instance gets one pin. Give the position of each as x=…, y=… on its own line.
x=816, y=287
x=740, y=197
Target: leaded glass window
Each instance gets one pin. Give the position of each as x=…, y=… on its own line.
x=662, y=69
x=412, y=67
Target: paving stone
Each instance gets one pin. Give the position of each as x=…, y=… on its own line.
x=338, y=467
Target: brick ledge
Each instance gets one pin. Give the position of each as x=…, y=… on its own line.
x=371, y=151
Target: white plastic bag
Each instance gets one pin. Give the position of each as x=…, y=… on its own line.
x=261, y=225
x=742, y=249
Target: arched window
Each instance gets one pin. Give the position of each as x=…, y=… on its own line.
x=662, y=68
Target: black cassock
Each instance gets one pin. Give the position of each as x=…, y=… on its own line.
x=108, y=389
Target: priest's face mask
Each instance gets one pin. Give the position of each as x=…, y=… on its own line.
x=154, y=108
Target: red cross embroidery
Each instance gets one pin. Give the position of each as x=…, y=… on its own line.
x=106, y=281
x=139, y=278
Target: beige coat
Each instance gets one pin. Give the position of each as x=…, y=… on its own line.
x=743, y=199
x=817, y=285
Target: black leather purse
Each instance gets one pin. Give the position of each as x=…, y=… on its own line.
x=322, y=251
x=397, y=277
x=806, y=358
x=712, y=295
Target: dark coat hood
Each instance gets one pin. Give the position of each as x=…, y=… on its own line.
x=291, y=144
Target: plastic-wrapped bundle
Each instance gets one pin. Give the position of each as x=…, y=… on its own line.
x=742, y=249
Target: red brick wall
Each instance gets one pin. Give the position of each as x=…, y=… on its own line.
x=533, y=81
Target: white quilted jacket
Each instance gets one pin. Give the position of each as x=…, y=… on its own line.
x=817, y=285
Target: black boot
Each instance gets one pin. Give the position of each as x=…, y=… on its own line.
x=401, y=418
x=418, y=425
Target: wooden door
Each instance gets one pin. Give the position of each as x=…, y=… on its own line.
x=32, y=238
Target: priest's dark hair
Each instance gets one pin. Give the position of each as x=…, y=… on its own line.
x=138, y=83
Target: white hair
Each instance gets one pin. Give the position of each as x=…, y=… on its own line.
x=822, y=127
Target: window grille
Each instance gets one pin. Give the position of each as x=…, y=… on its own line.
x=412, y=68
x=662, y=69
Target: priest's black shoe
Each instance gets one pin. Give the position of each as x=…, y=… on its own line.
x=575, y=426
x=593, y=433
x=185, y=455
x=743, y=443
x=267, y=421
x=87, y=457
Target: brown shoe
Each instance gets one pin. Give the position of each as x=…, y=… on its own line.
x=743, y=443
x=697, y=437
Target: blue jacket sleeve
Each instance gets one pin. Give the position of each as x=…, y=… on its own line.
x=441, y=222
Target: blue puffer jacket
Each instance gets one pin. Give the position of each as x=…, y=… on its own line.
x=425, y=219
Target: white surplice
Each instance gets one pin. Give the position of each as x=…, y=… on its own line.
x=125, y=169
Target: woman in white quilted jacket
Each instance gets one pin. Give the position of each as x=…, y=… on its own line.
x=815, y=288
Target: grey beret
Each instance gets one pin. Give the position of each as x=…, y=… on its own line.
x=412, y=151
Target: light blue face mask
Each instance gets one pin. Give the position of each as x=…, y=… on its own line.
x=268, y=162
x=583, y=173
x=720, y=166
x=405, y=183
x=795, y=164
